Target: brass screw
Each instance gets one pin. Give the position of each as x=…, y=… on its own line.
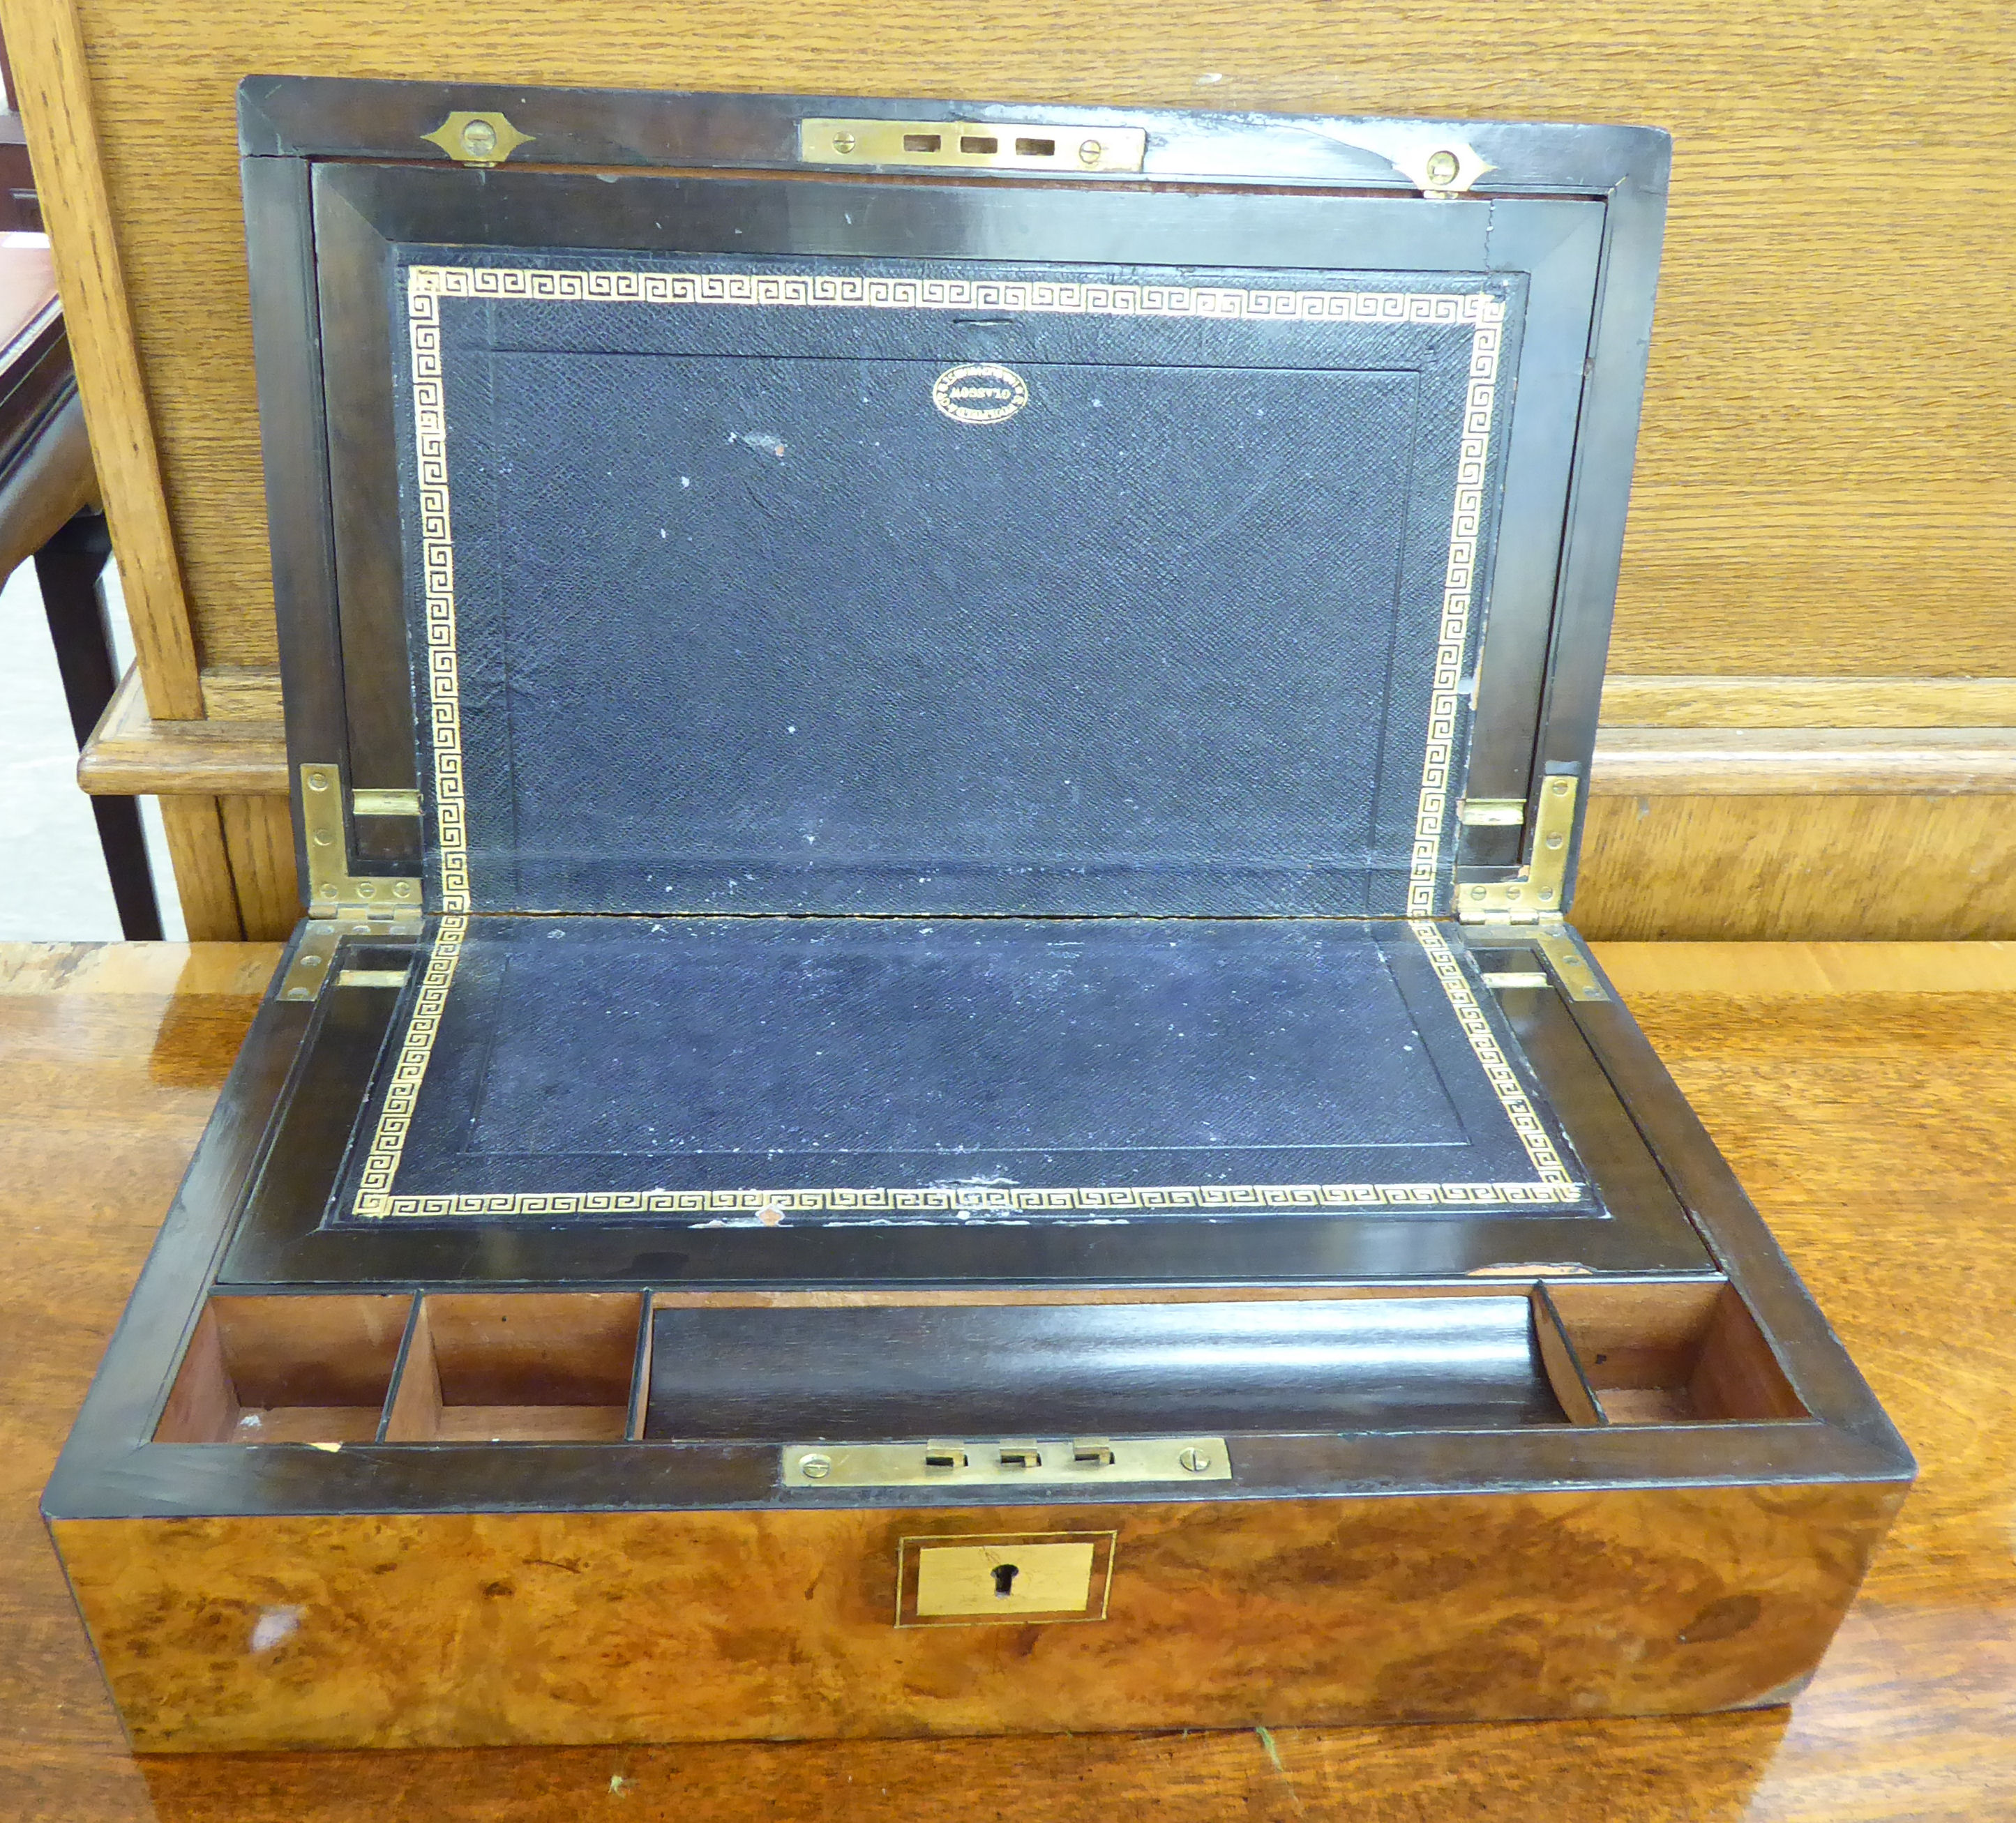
x=843, y=143
x=1091, y=152
x=1442, y=167
x=1556, y=840
x=815, y=1468
x=479, y=138
x=1194, y=1459
x=318, y=781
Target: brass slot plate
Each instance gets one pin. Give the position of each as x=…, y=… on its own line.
x=1492, y=813
x=384, y=803
x=1060, y=1463
x=311, y=970
x=371, y=978
x=1086, y=150
x=1514, y=978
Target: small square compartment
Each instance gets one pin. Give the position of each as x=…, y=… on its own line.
x=285, y=1370
x=524, y=1367
x=1687, y=1353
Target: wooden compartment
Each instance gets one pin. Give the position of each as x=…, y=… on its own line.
x=285, y=1370
x=1674, y=1354
x=526, y=1367
x=1487, y=1358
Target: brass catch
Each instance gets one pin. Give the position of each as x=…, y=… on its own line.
x=1062, y=151
x=1049, y=1461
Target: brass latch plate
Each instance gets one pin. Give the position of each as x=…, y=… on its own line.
x=1024, y=1462
x=1062, y=151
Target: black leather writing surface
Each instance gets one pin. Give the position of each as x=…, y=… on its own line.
x=863, y=1375
x=766, y=1070
x=735, y=588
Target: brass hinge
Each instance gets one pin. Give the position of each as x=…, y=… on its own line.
x=1556, y=942
x=1536, y=893
x=315, y=959
x=333, y=890
x=1561, y=952
x=340, y=904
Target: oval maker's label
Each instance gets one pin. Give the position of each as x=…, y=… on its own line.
x=980, y=394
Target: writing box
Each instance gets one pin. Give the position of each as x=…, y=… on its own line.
x=936, y=1080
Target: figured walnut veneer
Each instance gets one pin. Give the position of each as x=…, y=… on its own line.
x=468, y=1629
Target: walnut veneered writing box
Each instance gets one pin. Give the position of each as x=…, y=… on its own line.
x=937, y=1080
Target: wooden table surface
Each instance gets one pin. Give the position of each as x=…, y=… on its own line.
x=1866, y=1095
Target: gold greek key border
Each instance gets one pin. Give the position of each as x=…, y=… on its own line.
x=438, y=587
x=1483, y=315
x=1504, y=1080
x=395, y=1119
x=1459, y=600
x=375, y=1200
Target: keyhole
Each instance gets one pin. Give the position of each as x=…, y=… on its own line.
x=1004, y=1578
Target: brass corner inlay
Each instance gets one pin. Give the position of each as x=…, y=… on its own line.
x=479, y=139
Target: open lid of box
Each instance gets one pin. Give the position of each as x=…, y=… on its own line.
x=1146, y=571
x=703, y=514
x=827, y=584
